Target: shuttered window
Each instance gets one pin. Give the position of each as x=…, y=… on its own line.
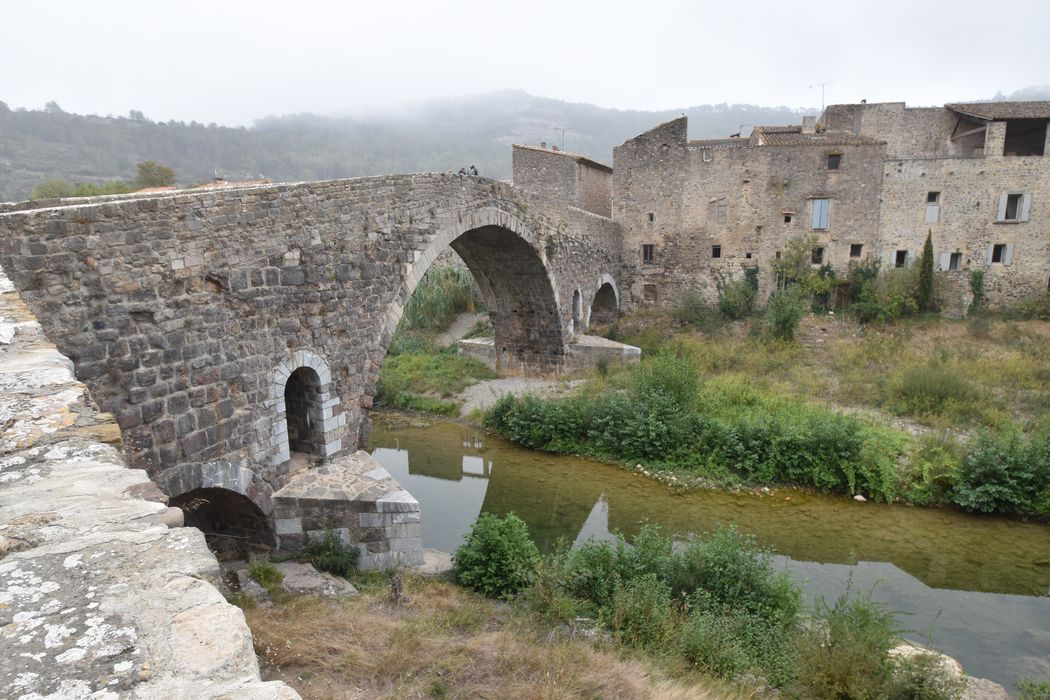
x=820, y=214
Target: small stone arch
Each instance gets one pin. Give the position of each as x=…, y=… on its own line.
x=316, y=404
x=605, y=305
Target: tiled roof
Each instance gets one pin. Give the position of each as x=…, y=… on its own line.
x=1002, y=110
x=793, y=136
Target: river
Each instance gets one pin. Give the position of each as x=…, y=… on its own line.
x=977, y=585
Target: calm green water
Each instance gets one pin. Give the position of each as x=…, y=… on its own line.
x=981, y=583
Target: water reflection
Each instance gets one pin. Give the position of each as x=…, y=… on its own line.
x=975, y=578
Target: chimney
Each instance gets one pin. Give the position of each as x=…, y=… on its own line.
x=809, y=125
x=543, y=144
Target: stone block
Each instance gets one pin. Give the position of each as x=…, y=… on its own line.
x=288, y=526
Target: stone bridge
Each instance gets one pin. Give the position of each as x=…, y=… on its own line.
x=226, y=330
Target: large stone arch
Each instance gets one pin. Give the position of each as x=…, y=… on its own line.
x=516, y=283
x=325, y=407
x=605, y=302
x=236, y=478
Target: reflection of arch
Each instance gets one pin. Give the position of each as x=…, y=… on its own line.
x=316, y=416
x=605, y=307
x=514, y=280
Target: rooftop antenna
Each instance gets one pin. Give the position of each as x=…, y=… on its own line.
x=821, y=86
x=562, y=130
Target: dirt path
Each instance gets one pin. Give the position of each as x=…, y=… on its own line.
x=483, y=394
x=459, y=328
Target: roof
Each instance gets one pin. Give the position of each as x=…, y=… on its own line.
x=583, y=160
x=793, y=136
x=1002, y=110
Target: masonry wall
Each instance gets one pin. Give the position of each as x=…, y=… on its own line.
x=178, y=309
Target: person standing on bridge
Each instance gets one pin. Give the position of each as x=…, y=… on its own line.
x=473, y=170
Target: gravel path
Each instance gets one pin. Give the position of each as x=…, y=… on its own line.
x=483, y=394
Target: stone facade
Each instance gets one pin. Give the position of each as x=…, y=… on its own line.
x=564, y=177
x=102, y=593
x=188, y=313
x=865, y=179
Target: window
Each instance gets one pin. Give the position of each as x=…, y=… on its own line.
x=933, y=207
x=817, y=256
x=1014, y=207
x=787, y=218
x=652, y=217
x=648, y=253
x=998, y=252
x=820, y=214
x=716, y=251
x=955, y=261
x=900, y=258
x=649, y=291
x=1024, y=137
x=717, y=210
x=855, y=249
x=747, y=255
x=834, y=160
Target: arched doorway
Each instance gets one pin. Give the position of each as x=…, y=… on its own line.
x=304, y=412
x=605, y=307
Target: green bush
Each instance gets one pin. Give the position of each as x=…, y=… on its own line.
x=736, y=297
x=977, y=290
x=331, y=555
x=731, y=644
x=1032, y=689
x=266, y=574
x=844, y=652
x=784, y=312
x=641, y=614
x=930, y=390
x=1035, y=307
x=924, y=677
x=498, y=558
x=924, y=291
x=932, y=473
x=1004, y=473
x=691, y=310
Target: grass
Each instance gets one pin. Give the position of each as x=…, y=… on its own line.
x=447, y=643
x=428, y=382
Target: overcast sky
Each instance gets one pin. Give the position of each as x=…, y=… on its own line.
x=231, y=61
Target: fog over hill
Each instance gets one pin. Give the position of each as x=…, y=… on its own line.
x=436, y=135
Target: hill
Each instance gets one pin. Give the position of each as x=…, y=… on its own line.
x=429, y=136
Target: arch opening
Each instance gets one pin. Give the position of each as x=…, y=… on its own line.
x=577, y=310
x=303, y=412
x=234, y=527
x=605, y=306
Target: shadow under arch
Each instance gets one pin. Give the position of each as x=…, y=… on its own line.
x=234, y=527
x=605, y=306
x=515, y=283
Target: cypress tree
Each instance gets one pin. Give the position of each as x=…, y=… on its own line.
x=925, y=294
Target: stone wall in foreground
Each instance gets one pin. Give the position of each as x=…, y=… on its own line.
x=102, y=594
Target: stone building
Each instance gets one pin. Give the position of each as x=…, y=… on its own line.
x=866, y=179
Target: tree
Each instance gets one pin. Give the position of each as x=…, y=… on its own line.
x=924, y=295
x=153, y=174
x=52, y=188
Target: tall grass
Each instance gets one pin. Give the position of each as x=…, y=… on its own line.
x=443, y=294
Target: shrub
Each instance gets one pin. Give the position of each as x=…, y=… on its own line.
x=784, y=312
x=641, y=614
x=736, y=297
x=1035, y=307
x=977, y=290
x=844, y=652
x=692, y=310
x=731, y=644
x=930, y=389
x=924, y=677
x=1032, y=689
x=1004, y=474
x=331, y=555
x=932, y=473
x=266, y=574
x=498, y=558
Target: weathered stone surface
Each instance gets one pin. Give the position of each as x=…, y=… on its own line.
x=99, y=597
x=361, y=503
x=305, y=579
x=435, y=563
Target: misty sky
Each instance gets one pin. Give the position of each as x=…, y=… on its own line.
x=230, y=61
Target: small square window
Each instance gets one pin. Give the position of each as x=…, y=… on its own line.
x=900, y=259
x=778, y=255
x=747, y=255
x=955, y=261
x=716, y=251
x=933, y=197
x=817, y=257
x=650, y=292
x=648, y=253
x=834, y=161
x=998, y=252
x=787, y=218
x=652, y=217
x=856, y=249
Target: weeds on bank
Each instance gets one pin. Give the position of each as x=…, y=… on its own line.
x=427, y=382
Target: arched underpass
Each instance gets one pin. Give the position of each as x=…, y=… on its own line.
x=234, y=526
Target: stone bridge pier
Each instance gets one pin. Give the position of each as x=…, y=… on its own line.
x=237, y=335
